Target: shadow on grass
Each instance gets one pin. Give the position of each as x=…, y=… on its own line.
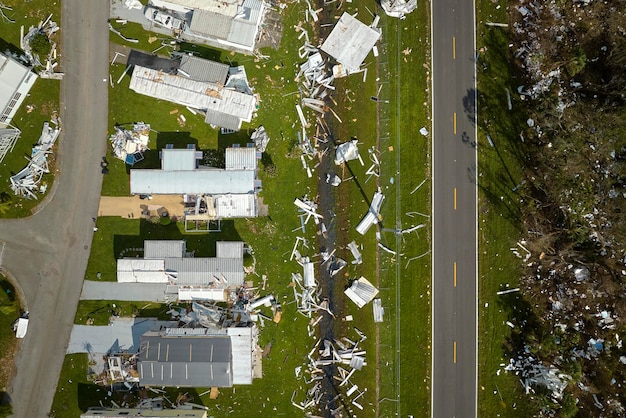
x=8, y=289
x=202, y=245
x=241, y=138
x=12, y=49
x=202, y=51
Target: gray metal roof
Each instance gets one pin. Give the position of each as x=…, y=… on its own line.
x=203, y=70
x=198, y=361
x=192, y=271
x=208, y=181
x=223, y=120
x=210, y=24
x=178, y=159
x=164, y=248
x=350, y=41
x=229, y=249
x=241, y=159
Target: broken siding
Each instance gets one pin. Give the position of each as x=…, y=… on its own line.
x=204, y=70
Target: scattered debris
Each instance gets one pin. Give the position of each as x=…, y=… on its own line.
x=361, y=292
x=373, y=214
x=129, y=146
x=398, y=8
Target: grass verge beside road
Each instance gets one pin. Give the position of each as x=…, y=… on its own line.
x=500, y=393
x=9, y=312
x=37, y=107
x=405, y=157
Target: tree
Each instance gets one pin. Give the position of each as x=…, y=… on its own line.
x=40, y=45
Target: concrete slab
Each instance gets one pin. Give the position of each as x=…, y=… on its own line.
x=149, y=292
x=120, y=334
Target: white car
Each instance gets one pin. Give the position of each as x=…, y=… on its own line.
x=163, y=19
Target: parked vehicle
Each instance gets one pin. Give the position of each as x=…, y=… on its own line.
x=161, y=18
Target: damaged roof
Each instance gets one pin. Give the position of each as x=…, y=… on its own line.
x=350, y=41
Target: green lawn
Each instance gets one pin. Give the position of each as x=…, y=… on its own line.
x=404, y=376
x=499, y=218
x=9, y=312
x=43, y=101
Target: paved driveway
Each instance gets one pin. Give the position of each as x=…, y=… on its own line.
x=120, y=334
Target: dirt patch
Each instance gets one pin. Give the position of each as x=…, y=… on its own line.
x=134, y=207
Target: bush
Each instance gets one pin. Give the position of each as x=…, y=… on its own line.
x=271, y=171
x=165, y=220
x=40, y=45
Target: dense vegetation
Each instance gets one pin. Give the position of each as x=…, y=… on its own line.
x=569, y=57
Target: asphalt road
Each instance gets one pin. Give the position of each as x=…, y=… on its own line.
x=47, y=253
x=454, y=376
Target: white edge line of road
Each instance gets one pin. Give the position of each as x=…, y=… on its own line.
x=476, y=191
x=432, y=188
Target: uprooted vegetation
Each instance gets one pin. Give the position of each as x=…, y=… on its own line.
x=568, y=348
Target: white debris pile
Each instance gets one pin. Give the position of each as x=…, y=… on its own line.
x=315, y=79
x=533, y=373
x=260, y=138
x=347, y=357
x=26, y=182
x=48, y=27
x=129, y=146
x=398, y=8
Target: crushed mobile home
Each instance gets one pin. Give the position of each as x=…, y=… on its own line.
x=218, y=91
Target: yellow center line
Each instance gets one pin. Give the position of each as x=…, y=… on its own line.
x=454, y=47
x=455, y=274
x=455, y=198
x=455, y=352
x=454, y=123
